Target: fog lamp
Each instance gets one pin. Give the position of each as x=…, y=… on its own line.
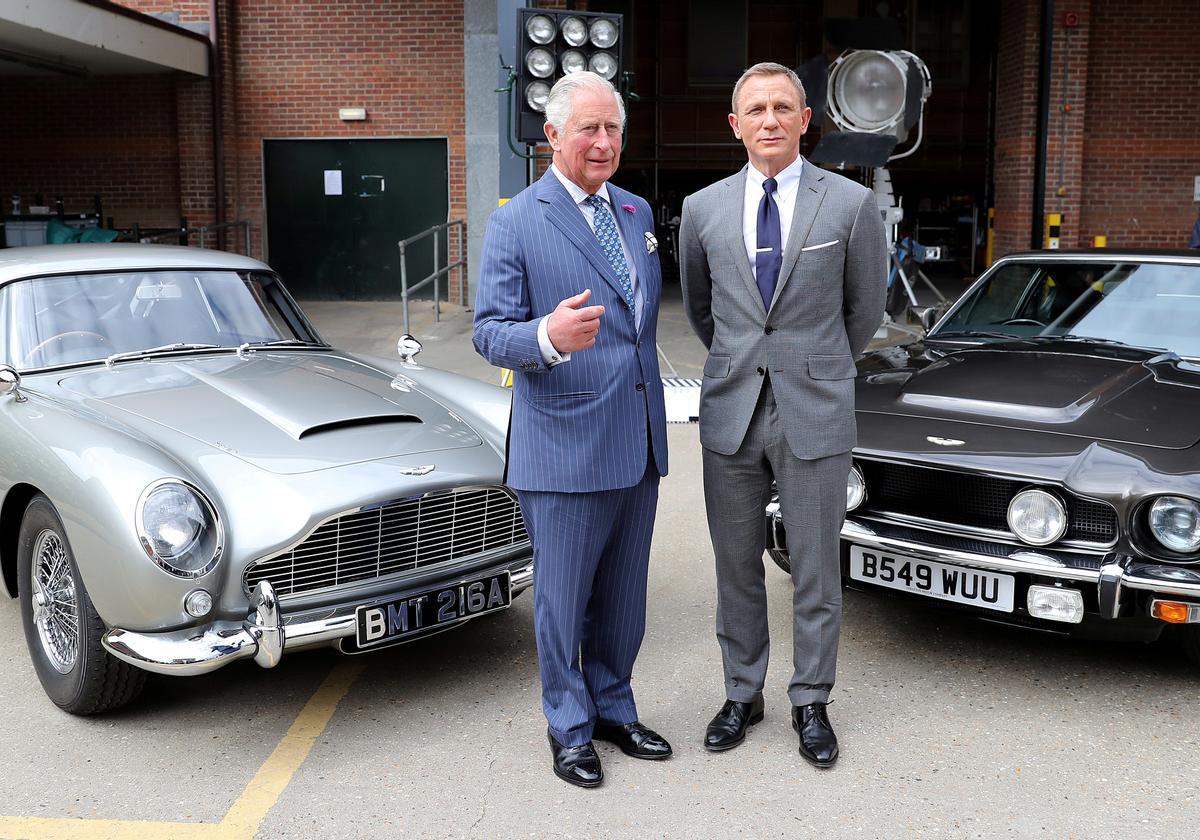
x=198, y=603
x=1175, y=612
x=1037, y=517
x=1055, y=603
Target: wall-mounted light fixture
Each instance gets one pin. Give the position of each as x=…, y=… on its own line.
x=349, y=114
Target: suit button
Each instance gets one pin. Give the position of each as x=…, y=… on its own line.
x=761, y=372
x=639, y=344
x=768, y=330
x=641, y=387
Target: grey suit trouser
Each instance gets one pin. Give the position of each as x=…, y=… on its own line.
x=812, y=498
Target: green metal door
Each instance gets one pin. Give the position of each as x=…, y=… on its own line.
x=337, y=208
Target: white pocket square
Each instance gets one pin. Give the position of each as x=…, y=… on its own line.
x=651, y=243
x=818, y=247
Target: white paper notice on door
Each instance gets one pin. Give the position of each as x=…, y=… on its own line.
x=333, y=182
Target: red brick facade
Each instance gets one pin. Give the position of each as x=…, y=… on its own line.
x=1121, y=161
x=144, y=143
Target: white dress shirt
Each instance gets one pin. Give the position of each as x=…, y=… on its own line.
x=549, y=355
x=787, y=186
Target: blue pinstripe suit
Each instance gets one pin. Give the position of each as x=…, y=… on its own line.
x=587, y=443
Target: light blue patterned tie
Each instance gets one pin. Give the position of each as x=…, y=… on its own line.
x=610, y=242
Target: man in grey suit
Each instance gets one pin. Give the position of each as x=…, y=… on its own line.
x=784, y=270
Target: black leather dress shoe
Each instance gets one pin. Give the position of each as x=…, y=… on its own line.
x=634, y=739
x=818, y=743
x=577, y=765
x=728, y=728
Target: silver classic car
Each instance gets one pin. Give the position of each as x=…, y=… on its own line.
x=1036, y=459
x=189, y=475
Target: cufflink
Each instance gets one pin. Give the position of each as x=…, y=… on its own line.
x=651, y=243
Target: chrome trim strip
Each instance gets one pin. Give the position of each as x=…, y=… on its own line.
x=263, y=635
x=991, y=535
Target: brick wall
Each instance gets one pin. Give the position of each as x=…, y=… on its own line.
x=1143, y=122
x=1121, y=162
x=114, y=136
x=295, y=63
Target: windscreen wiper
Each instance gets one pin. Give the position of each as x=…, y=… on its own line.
x=285, y=342
x=152, y=351
x=976, y=334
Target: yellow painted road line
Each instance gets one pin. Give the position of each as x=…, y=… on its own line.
x=273, y=777
x=44, y=828
x=247, y=813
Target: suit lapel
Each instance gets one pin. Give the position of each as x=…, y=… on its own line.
x=809, y=195
x=635, y=240
x=563, y=214
x=731, y=222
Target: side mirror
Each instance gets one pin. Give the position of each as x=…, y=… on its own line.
x=929, y=316
x=408, y=348
x=10, y=382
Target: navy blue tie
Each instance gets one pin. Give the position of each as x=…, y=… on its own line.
x=769, y=257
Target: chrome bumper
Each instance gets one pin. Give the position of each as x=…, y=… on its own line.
x=263, y=635
x=1115, y=575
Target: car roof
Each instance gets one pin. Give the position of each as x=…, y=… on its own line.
x=1110, y=254
x=35, y=260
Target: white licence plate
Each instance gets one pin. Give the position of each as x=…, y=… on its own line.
x=988, y=590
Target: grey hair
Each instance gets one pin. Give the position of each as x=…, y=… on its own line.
x=770, y=68
x=562, y=96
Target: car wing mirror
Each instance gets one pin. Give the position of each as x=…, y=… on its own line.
x=929, y=316
x=408, y=347
x=10, y=383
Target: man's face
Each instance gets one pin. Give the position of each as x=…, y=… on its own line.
x=588, y=149
x=770, y=120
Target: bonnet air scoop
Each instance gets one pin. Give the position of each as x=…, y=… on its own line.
x=356, y=422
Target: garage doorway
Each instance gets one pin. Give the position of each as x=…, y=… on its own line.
x=336, y=209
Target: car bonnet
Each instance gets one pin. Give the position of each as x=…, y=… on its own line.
x=285, y=412
x=1130, y=398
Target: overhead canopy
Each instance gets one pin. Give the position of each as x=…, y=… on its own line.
x=93, y=37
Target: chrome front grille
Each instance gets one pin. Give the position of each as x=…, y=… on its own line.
x=394, y=537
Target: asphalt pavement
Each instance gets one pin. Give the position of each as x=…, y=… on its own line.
x=950, y=728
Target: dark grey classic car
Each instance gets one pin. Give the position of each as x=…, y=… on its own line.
x=1034, y=459
x=189, y=475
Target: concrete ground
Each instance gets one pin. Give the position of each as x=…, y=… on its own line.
x=949, y=728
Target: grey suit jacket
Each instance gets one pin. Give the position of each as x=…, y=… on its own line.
x=828, y=303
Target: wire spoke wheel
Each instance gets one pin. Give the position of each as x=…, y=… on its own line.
x=55, y=602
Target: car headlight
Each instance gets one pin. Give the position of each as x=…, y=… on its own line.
x=856, y=489
x=1175, y=522
x=178, y=528
x=1037, y=517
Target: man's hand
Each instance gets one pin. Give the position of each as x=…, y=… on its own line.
x=573, y=326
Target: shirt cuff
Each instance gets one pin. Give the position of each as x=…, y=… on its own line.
x=549, y=355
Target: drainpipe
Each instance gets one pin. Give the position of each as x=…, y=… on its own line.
x=1043, y=126
x=217, y=117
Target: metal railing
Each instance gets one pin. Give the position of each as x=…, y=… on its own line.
x=184, y=233
x=438, y=270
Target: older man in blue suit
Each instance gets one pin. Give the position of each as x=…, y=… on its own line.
x=568, y=298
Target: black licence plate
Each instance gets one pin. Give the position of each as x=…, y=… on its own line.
x=399, y=618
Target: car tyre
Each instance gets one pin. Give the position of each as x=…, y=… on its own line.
x=781, y=558
x=61, y=626
x=1187, y=639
